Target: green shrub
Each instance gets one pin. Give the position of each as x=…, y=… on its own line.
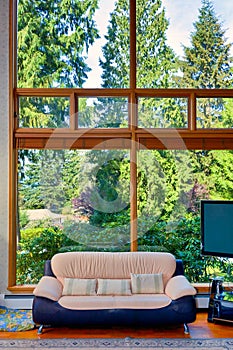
x=183, y=239
x=23, y=218
x=30, y=233
x=34, y=250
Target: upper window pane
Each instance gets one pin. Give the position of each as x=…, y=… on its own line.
x=214, y=113
x=53, y=40
x=77, y=44
x=44, y=112
x=103, y=112
x=184, y=44
x=73, y=43
x=162, y=112
x=109, y=57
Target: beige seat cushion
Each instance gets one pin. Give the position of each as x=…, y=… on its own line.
x=136, y=301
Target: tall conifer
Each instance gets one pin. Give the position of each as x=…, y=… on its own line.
x=207, y=61
x=53, y=38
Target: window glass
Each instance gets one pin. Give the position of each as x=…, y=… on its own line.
x=103, y=112
x=184, y=44
x=109, y=56
x=79, y=199
x=214, y=113
x=73, y=44
x=44, y=112
x=162, y=112
x=171, y=185
x=70, y=200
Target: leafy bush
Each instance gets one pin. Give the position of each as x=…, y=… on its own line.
x=23, y=218
x=33, y=250
x=183, y=239
x=39, y=244
x=96, y=238
x=31, y=233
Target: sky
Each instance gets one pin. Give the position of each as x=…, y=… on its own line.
x=181, y=15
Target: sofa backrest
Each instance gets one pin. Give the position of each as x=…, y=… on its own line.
x=112, y=265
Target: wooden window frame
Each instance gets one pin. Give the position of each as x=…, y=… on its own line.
x=80, y=138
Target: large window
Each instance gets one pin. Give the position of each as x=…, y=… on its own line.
x=117, y=132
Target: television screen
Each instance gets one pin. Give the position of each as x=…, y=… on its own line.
x=217, y=227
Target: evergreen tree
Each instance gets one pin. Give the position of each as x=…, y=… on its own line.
x=155, y=59
x=70, y=175
x=104, y=177
x=207, y=64
x=52, y=39
x=164, y=179
x=156, y=63
x=207, y=61
x=43, y=185
x=29, y=190
x=156, y=66
x=221, y=174
x=51, y=179
x=115, y=64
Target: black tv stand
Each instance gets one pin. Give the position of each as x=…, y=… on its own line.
x=220, y=302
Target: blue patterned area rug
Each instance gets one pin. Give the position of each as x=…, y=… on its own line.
x=119, y=344
x=14, y=320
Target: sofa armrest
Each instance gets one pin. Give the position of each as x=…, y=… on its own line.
x=178, y=287
x=49, y=287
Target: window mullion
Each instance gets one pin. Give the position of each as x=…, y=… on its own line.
x=73, y=112
x=133, y=59
x=133, y=126
x=192, y=113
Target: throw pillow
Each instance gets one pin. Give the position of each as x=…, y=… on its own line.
x=113, y=287
x=79, y=286
x=147, y=283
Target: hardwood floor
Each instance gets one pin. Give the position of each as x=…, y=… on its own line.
x=201, y=328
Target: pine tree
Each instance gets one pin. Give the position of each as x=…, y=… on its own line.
x=53, y=41
x=207, y=61
x=156, y=66
x=115, y=64
x=43, y=185
x=207, y=64
x=156, y=61
x=53, y=37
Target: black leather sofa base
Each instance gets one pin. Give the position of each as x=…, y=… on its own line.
x=50, y=313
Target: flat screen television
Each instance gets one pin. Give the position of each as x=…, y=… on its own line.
x=217, y=228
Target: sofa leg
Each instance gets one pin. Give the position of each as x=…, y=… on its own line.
x=40, y=330
x=186, y=328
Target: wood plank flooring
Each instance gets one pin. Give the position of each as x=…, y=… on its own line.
x=201, y=328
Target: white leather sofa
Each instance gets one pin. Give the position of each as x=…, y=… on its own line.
x=86, y=289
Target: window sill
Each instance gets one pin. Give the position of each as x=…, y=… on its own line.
x=22, y=289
